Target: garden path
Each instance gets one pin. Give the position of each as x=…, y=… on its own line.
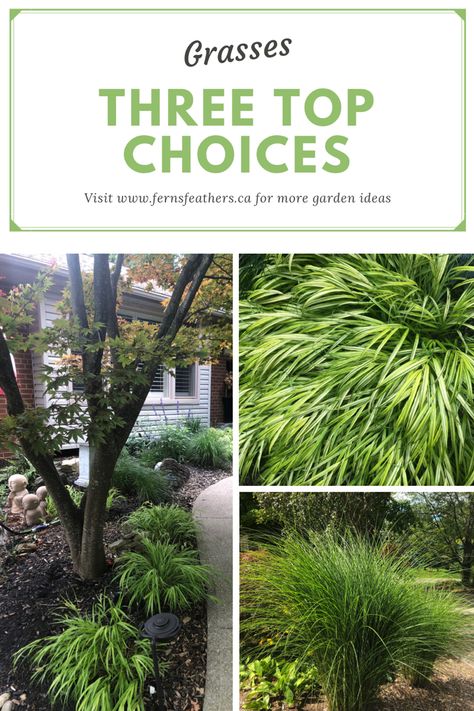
x=213, y=510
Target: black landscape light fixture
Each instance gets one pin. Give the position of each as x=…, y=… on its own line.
x=160, y=628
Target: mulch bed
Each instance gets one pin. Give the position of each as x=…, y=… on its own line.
x=34, y=584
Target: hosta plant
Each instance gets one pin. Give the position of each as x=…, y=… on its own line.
x=348, y=609
x=358, y=369
x=99, y=662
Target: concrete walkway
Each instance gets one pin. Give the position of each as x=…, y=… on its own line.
x=213, y=510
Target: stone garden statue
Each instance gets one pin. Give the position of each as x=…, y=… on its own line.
x=41, y=493
x=17, y=484
x=31, y=506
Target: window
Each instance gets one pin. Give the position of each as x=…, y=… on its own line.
x=184, y=381
x=158, y=384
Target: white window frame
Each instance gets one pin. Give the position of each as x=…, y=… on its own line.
x=169, y=397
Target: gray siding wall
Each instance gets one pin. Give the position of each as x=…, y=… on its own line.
x=154, y=415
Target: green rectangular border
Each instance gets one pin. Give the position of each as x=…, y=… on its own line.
x=461, y=12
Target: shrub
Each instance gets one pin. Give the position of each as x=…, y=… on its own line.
x=162, y=577
x=133, y=478
x=172, y=441
x=211, y=448
x=98, y=661
x=357, y=369
x=164, y=524
x=350, y=610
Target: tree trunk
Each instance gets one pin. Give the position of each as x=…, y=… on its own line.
x=91, y=562
x=467, y=561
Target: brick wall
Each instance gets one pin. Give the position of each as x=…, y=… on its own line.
x=219, y=372
x=24, y=374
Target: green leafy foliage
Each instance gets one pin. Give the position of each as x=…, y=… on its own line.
x=113, y=497
x=189, y=442
x=18, y=464
x=98, y=661
x=348, y=608
x=358, y=369
x=360, y=512
x=172, y=441
x=193, y=424
x=211, y=448
x=75, y=494
x=162, y=577
x=266, y=681
x=164, y=524
x=133, y=478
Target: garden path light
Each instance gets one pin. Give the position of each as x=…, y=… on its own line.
x=162, y=627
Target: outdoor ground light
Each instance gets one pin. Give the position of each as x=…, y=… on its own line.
x=160, y=628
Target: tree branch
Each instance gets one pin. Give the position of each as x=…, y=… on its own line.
x=193, y=271
x=77, y=290
x=183, y=280
x=182, y=311
x=8, y=383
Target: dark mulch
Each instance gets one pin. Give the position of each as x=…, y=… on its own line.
x=34, y=584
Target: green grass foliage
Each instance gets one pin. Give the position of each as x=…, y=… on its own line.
x=164, y=524
x=113, y=497
x=133, y=478
x=172, y=441
x=75, y=494
x=358, y=369
x=211, y=448
x=350, y=610
x=201, y=446
x=98, y=661
x=162, y=577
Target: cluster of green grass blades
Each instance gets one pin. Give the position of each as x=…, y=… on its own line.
x=358, y=369
x=161, y=576
x=348, y=609
x=133, y=478
x=98, y=662
x=164, y=524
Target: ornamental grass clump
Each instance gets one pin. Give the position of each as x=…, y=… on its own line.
x=99, y=662
x=164, y=524
x=161, y=577
x=346, y=608
x=211, y=447
x=133, y=478
x=358, y=369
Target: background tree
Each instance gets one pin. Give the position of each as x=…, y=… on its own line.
x=116, y=362
x=363, y=513
x=444, y=524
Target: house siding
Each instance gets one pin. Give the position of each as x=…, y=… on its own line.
x=154, y=415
